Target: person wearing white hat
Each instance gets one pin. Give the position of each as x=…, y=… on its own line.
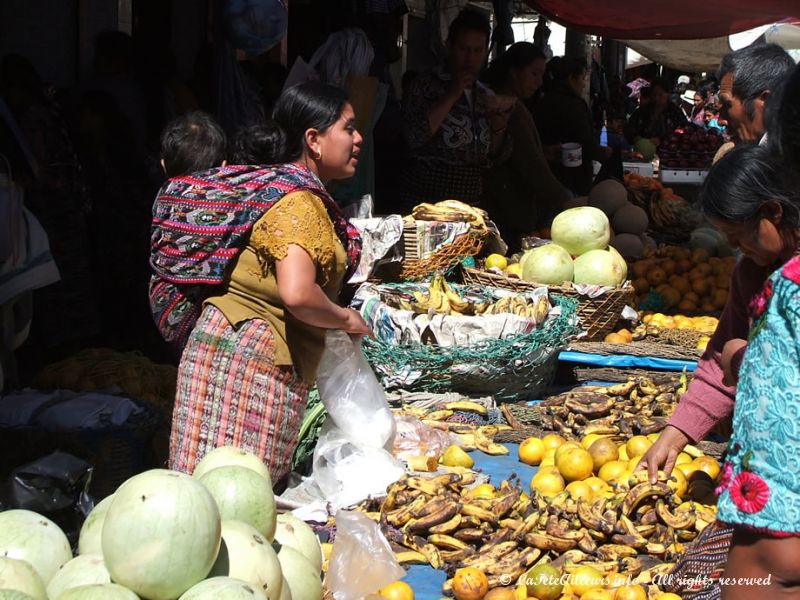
x=693, y=105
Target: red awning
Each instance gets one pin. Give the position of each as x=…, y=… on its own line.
x=673, y=20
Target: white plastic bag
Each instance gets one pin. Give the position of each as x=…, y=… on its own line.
x=352, y=395
x=347, y=472
x=362, y=561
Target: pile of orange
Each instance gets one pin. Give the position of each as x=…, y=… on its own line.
x=623, y=336
x=687, y=280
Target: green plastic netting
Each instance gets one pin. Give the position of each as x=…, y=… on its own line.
x=514, y=368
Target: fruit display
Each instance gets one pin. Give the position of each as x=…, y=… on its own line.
x=670, y=215
x=680, y=279
x=165, y=535
x=442, y=299
x=629, y=222
x=451, y=211
x=689, y=147
x=637, y=406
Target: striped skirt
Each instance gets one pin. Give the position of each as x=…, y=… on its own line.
x=231, y=393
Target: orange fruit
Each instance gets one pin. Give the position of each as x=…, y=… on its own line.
x=630, y=592
x=580, y=489
x=603, y=450
x=641, y=285
x=470, y=583
x=548, y=484
x=719, y=298
x=668, y=266
x=708, y=465
x=531, y=451
x=637, y=445
x=542, y=470
x=680, y=283
x=552, y=440
x=691, y=297
x=484, y=490
x=543, y=581
x=615, y=580
x=566, y=447
x=687, y=469
x=596, y=484
x=614, y=338
x=625, y=333
x=575, y=464
x=701, y=286
x=683, y=266
x=656, y=276
x=699, y=255
x=612, y=470
x=678, y=482
x=585, y=578
x=668, y=596
x=397, y=590
x=597, y=594
x=641, y=267
x=501, y=593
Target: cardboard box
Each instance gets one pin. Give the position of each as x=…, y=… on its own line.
x=684, y=176
x=641, y=168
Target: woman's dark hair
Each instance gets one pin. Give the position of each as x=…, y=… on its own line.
x=517, y=56
x=469, y=19
x=311, y=105
x=192, y=142
x=742, y=182
x=561, y=68
x=256, y=144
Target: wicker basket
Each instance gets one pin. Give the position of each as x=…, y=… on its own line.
x=514, y=368
x=449, y=255
x=598, y=316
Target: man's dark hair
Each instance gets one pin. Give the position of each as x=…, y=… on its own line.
x=192, y=142
x=469, y=19
x=755, y=70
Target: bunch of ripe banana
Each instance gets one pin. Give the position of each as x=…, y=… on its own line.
x=451, y=211
x=443, y=299
x=440, y=521
x=635, y=407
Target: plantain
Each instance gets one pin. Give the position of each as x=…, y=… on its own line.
x=422, y=464
x=654, y=573
x=640, y=492
x=591, y=404
x=390, y=501
x=468, y=520
x=527, y=525
x=489, y=556
x=502, y=506
x=470, y=534
x=627, y=539
x=614, y=551
x=399, y=517
x=647, y=387
x=467, y=406
x=421, y=545
x=547, y=542
x=514, y=563
x=410, y=557
x=442, y=515
x=560, y=529
x=511, y=524
x=570, y=556
x=677, y=520
x=439, y=415
x=591, y=519
x=448, y=526
x=446, y=542
x=621, y=389
x=631, y=566
x=586, y=543
x=605, y=568
x=656, y=549
x=456, y=556
x=487, y=446
x=432, y=485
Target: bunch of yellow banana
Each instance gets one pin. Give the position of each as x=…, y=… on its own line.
x=441, y=299
x=518, y=305
x=451, y=211
x=635, y=407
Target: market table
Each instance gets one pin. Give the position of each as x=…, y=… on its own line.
x=427, y=581
x=627, y=360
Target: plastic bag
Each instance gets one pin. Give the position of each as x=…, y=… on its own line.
x=352, y=395
x=362, y=562
x=415, y=438
x=347, y=472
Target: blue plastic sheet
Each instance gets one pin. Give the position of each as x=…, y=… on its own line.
x=426, y=581
x=627, y=360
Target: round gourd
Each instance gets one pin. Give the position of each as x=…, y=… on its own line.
x=630, y=219
x=98, y=591
x=300, y=574
x=579, y=230
x=598, y=267
x=225, y=456
x=549, y=265
x=90, y=538
x=223, y=588
x=623, y=265
x=86, y=569
x=628, y=245
x=608, y=195
x=294, y=532
x=29, y=536
x=161, y=534
x=243, y=495
x=247, y=555
x=20, y=576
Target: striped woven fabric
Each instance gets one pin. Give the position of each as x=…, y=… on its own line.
x=696, y=575
x=231, y=393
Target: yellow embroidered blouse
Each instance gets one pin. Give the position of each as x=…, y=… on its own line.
x=299, y=218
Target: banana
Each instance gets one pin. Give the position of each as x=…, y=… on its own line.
x=542, y=310
x=442, y=515
x=570, y=556
x=560, y=529
x=587, y=544
x=489, y=556
x=634, y=541
x=641, y=492
x=654, y=573
x=527, y=525
x=405, y=305
x=473, y=510
x=647, y=387
x=515, y=563
x=511, y=524
x=456, y=556
x=398, y=518
x=615, y=551
x=693, y=451
x=656, y=549
x=487, y=446
x=446, y=542
x=425, y=464
x=605, y=568
x=621, y=389
x=548, y=542
x=468, y=520
x=678, y=520
x=591, y=520
x=448, y=526
x=501, y=506
x=457, y=303
x=467, y=406
x=470, y=534
x=410, y=557
x=439, y=415
x=421, y=545
x=630, y=565
x=432, y=485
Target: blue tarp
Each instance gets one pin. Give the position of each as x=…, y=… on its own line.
x=627, y=360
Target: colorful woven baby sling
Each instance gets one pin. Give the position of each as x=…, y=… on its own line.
x=201, y=222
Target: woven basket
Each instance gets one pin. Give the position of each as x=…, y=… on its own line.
x=598, y=316
x=515, y=368
x=449, y=255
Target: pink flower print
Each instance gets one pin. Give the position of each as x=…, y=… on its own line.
x=724, y=478
x=749, y=492
x=759, y=303
x=791, y=270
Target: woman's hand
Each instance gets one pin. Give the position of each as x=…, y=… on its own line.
x=730, y=365
x=662, y=454
x=355, y=325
